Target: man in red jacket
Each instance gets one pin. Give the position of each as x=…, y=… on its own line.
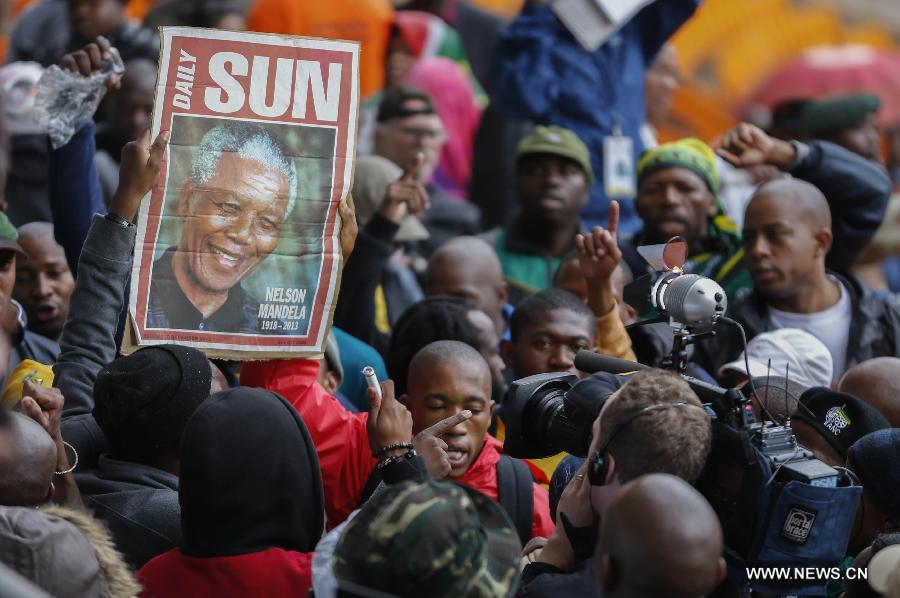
x=446, y=378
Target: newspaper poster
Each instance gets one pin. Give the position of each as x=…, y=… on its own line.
x=238, y=250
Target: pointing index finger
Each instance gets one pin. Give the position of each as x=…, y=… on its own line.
x=442, y=426
x=409, y=175
x=613, y=217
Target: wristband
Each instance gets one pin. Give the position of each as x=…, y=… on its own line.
x=72, y=468
x=582, y=539
x=118, y=220
x=400, y=445
x=396, y=459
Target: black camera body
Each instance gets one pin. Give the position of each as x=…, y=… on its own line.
x=758, y=479
x=540, y=422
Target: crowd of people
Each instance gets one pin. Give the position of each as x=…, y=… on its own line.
x=506, y=181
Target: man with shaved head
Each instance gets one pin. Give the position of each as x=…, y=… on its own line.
x=34, y=464
x=660, y=538
x=877, y=382
x=468, y=267
x=26, y=472
x=799, y=240
x=448, y=382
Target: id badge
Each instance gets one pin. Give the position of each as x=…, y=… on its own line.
x=618, y=166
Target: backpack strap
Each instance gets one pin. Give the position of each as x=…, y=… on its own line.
x=515, y=494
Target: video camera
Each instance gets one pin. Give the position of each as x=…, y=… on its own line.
x=779, y=506
x=547, y=414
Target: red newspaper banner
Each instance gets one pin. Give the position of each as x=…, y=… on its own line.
x=238, y=249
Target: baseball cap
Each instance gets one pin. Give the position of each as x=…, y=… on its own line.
x=393, y=103
x=428, y=539
x=9, y=236
x=841, y=419
x=838, y=113
x=558, y=142
x=796, y=352
x=883, y=568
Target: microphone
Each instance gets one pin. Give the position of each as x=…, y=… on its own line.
x=689, y=299
x=590, y=362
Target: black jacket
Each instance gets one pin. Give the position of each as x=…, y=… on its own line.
x=857, y=191
x=541, y=580
x=874, y=327
x=363, y=272
x=139, y=505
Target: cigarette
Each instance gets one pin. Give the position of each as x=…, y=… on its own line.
x=372, y=379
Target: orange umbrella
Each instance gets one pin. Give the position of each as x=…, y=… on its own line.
x=824, y=71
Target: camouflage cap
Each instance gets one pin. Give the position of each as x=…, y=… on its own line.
x=429, y=539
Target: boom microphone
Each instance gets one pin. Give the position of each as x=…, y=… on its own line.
x=590, y=362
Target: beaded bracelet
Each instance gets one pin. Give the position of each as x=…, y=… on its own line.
x=400, y=445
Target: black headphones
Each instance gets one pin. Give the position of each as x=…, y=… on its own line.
x=599, y=465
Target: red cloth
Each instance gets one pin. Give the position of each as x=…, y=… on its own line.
x=273, y=572
x=343, y=444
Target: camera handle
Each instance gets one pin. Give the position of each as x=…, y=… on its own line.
x=682, y=338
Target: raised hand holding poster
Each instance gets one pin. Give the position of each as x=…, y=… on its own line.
x=237, y=250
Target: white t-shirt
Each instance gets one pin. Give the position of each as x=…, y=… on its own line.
x=831, y=326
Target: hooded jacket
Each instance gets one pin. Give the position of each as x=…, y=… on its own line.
x=65, y=552
x=252, y=508
x=342, y=442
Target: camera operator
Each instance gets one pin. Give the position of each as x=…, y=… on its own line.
x=653, y=424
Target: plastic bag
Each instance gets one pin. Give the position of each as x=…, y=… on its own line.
x=66, y=100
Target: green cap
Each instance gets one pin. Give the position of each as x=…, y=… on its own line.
x=559, y=142
x=838, y=113
x=428, y=539
x=9, y=235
